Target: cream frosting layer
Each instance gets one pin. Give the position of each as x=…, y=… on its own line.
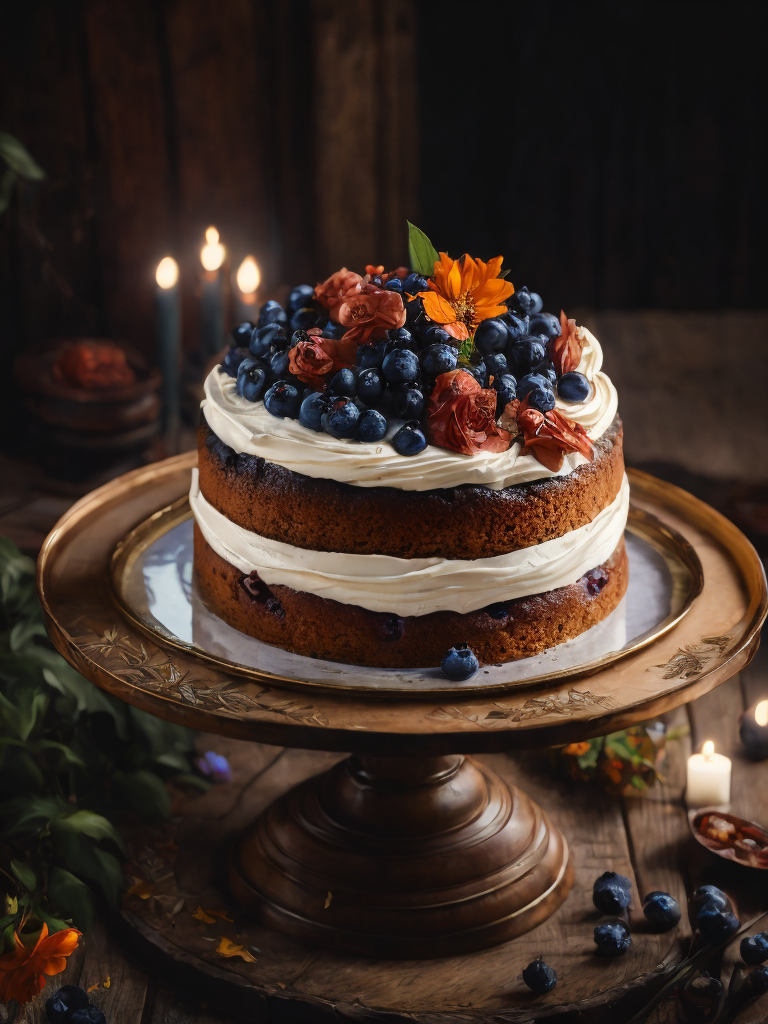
x=248, y=428
x=416, y=586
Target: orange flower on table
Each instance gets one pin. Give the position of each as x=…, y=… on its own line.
x=332, y=292
x=549, y=435
x=370, y=313
x=462, y=416
x=23, y=972
x=464, y=292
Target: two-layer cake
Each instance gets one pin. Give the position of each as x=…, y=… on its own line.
x=401, y=463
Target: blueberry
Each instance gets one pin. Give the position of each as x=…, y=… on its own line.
x=282, y=399
x=436, y=335
x=754, y=949
x=301, y=297
x=497, y=611
x=439, y=358
x=401, y=337
x=536, y=302
x=612, y=938
x=311, y=411
x=517, y=327
x=401, y=366
x=409, y=403
x=530, y=382
x=700, y=998
x=539, y=977
x=544, y=323
x=272, y=313
x=340, y=419
x=394, y=284
x=479, y=372
x=409, y=439
x=390, y=628
x=706, y=894
x=88, y=1015
x=262, y=339
x=715, y=924
x=335, y=331
x=414, y=314
x=549, y=373
x=251, y=379
x=459, y=663
x=495, y=364
x=542, y=399
x=661, y=910
x=414, y=283
x=521, y=301
x=233, y=359
x=278, y=365
x=241, y=334
x=574, y=387
x=371, y=426
x=505, y=387
x=370, y=355
x=491, y=336
x=63, y=1002
x=755, y=984
x=611, y=892
x=343, y=382
x=525, y=354
x=303, y=319
x=370, y=385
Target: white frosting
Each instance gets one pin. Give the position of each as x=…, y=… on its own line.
x=416, y=586
x=248, y=428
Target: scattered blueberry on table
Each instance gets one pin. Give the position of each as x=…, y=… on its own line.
x=539, y=977
x=460, y=663
x=715, y=924
x=661, y=910
x=754, y=949
x=612, y=938
x=71, y=1005
x=611, y=893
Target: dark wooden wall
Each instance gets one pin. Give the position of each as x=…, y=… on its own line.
x=615, y=152
x=289, y=124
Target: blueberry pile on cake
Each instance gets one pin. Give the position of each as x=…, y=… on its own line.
x=399, y=464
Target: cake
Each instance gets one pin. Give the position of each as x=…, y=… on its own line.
x=401, y=464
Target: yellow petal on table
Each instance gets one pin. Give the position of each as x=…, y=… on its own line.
x=328, y=899
x=227, y=948
x=140, y=888
x=201, y=915
x=221, y=914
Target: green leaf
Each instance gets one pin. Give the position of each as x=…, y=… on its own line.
x=70, y=897
x=67, y=753
x=24, y=631
x=90, y=824
x=54, y=923
x=19, y=158
x=87, y=861
x=26, y=816
x=143, y=792
x=25, y=874
x=422, y=253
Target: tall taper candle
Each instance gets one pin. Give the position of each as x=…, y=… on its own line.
x=168, y=342
x=211, y=296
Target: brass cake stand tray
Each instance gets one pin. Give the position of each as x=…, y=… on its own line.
x=427, y=852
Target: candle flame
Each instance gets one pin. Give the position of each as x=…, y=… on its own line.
x=248, y=278
x=167, y=273
x=708, y=749
x=761, y=713
x=213, y=252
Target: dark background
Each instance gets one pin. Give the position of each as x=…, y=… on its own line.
x=614, y=153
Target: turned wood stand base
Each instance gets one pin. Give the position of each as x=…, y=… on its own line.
x=402, y=857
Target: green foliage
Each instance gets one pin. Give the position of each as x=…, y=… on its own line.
x=71, y=758
x=421, y=252
x=19, y=164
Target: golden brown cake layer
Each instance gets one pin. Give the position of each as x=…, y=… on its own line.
x=457, y=522
x=319, y=628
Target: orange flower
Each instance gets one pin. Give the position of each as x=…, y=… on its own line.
x=566, y=349
x=22, y=972
x=549, y=435
x=314, y=360
x=464, y=292
x=332, y=292
x=370, y=313
x=462, y=416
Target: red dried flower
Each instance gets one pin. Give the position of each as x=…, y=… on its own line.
x=370, y=313
x=334, y=290
x=549, y=435
x=315, y=360
x=462, y=416
x=566, y=350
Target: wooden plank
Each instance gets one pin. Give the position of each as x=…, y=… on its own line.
x=132, y=165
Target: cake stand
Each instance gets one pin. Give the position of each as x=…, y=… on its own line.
x=408, y=848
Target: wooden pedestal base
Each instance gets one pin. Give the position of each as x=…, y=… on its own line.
x=402, y=857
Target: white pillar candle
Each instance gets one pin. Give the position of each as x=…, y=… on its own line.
x=709, y=778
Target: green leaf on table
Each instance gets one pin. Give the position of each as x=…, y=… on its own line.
x=421, y=252
x=143, y=792
x=24, y=873
x=18, y=157
x=71, y=897
x=90, y=824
